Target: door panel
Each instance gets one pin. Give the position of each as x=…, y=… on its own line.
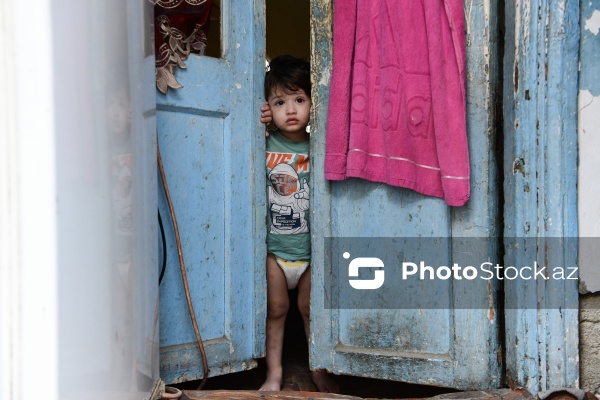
x=397, y=331
x=212, y=146
x=201, y=227
x=455, y=345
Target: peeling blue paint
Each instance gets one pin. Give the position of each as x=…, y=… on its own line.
x=213, y=149
x=589, y=51
x=453, y=348
x=541, y=54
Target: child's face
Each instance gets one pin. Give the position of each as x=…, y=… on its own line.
x=291, y=110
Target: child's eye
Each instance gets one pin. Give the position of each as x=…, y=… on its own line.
x=279, y=103
x=300, y=100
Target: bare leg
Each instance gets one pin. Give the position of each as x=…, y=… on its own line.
x=277, y=308
x=323, y=380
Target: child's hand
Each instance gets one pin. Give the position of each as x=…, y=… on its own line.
x=266, y=116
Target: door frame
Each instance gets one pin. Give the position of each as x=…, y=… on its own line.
x=540, y=186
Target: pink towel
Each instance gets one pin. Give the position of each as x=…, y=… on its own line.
x=397, y=106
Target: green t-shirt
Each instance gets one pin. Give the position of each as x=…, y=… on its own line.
x=288, y=191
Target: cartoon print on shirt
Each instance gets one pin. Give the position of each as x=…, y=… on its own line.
x=288, y=200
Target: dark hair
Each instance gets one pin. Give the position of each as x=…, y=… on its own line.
x=289, y=73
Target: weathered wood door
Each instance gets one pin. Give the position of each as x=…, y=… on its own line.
x=208, y=134
x=440, y=346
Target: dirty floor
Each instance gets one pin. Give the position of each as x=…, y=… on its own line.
x=297, y=374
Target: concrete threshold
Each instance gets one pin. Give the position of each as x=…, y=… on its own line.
x=498, y=394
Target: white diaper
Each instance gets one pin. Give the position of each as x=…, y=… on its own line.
x=292, y=270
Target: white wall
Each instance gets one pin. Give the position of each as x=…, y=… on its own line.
x=589, y=196
x=78, y=236
x=589, y=148
x=589, y=191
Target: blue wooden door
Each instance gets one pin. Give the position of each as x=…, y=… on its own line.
x=541, y=75
x=446, y=346
x=213, y=153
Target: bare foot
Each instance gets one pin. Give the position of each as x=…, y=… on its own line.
x=273, y=382
x=324, y=382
